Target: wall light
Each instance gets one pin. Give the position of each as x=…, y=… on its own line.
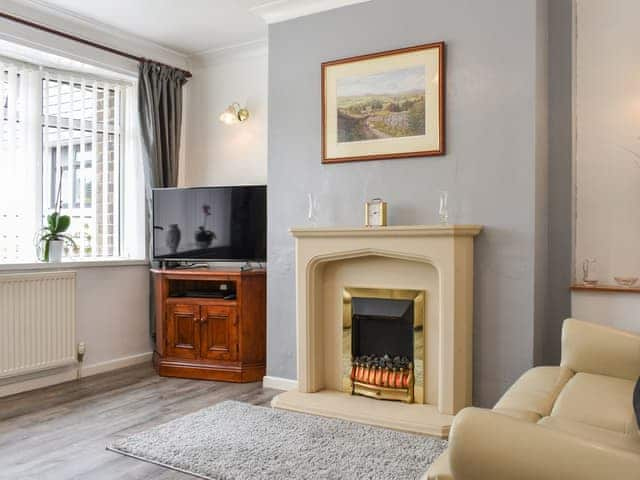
x=234, y=114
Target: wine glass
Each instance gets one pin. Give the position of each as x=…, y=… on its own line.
x=443, y=211
x=313, y=206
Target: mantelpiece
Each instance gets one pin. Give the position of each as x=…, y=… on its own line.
x=436, y=259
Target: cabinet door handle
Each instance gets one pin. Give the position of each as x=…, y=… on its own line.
x=204, y=319
x=235, y=320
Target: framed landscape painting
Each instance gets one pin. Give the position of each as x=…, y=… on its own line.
x=384, y=105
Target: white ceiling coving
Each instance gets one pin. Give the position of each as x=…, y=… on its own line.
x=282, y=10
x=188, y=27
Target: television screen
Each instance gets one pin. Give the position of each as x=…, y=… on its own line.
x=210, y=223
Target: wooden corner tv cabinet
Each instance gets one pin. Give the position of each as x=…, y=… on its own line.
x=210, y=324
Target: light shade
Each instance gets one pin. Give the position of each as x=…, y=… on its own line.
x=234, y=114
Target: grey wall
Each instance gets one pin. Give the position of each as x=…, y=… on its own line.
x=493, y=148
x=560, y=191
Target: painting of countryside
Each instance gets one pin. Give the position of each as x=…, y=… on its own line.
x=390, y=104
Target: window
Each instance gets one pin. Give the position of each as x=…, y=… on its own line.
x=67, y=128
x=82, y=143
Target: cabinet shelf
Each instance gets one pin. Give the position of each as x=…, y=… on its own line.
x=604, y=288
x=202, y=300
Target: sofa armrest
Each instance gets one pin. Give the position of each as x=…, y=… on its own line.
x=592, y=348
x=485, y=445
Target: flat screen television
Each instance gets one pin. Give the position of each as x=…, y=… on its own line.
x=215, y=224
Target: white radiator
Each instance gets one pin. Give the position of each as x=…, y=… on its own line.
x=37, y=322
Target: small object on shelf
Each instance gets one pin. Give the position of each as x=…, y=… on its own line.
x=312, y=209
x=201, y=294
x=375, y=212
x=443, y=211
x=626, y=281
x=589, y=272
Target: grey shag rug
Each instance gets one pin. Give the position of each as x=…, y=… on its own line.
x=238, y=441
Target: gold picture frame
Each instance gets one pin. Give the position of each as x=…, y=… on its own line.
x=384, y=105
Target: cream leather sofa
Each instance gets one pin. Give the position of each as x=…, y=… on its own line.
x=572, y=422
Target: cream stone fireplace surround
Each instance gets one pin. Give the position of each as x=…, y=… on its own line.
x=435, y=259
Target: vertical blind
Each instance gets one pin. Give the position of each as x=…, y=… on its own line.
x=66, y=126
x=19, y=159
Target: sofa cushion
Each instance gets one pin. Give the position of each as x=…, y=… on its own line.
x=599, y=401
x=535, y=391
x=527, y=416
x=618, y=440
x=591, y=348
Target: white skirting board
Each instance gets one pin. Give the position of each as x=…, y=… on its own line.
x=88, y=370
x=279, y=383
x=54, y=377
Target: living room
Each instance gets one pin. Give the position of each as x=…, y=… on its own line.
x=258, y=187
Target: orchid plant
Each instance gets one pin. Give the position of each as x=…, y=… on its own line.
x=57, y=225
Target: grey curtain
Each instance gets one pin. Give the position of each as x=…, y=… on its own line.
x=160, y=113
x=160, y=109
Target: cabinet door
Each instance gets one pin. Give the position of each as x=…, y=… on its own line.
x=183, y=330
x=219, y=330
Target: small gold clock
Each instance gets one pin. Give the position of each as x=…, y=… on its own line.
x=375, y=213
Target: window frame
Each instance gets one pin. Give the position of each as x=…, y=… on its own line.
x=122, y=256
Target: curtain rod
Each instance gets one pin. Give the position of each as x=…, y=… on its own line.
x=82, y=40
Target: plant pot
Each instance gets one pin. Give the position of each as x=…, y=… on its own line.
x=55, y=251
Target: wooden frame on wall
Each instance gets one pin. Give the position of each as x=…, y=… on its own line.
x=384, y=105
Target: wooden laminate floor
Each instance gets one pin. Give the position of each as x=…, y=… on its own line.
x=60, y=432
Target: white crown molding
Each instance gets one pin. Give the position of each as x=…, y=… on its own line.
x=69, y=22
x=283, y=10
x=241, y=51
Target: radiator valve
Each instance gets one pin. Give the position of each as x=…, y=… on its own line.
x=81, y=350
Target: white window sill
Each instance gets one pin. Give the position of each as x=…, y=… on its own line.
x=66, y=264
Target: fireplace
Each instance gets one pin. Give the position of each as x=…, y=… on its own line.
x=343, y=277
x=383, y=343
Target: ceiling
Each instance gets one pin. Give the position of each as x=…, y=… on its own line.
x=188, y=27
